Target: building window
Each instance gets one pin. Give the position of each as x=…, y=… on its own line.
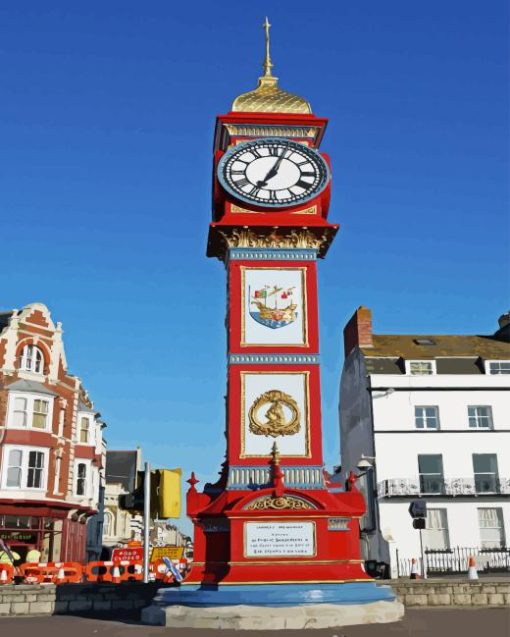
x=40, y=414
x=25, y=468
x=426, y=417
x=84, y=430
x=29, y=411
x=485, y=467
x=480, y=417
x=35, y=470
x=14, y=469
x=32, y=359
x=421, y=368
x=431, y=474
x=435, y=536
x=81, y=478
x=498, y=367
x=20, y=412
x=108, y=524
x=492, y=534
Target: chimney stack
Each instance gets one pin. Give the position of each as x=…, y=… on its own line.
x=358, y=330
x=503, y=334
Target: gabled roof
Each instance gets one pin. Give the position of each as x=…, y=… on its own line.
x=406, y=346
x=30, y=386
x=83, y=407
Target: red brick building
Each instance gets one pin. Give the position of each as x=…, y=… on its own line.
x=51, y=446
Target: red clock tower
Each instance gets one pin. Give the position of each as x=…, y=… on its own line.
x=272, y=528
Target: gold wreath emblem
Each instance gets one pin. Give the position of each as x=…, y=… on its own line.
x=282, y=502
x=277, y=422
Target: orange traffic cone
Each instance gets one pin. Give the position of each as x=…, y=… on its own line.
x=472, y=572
x=116, y=573
x=414, y=569
x=61, y=575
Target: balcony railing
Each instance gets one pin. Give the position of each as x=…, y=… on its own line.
x=443, y=487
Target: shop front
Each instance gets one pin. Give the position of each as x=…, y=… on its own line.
x=58, y=535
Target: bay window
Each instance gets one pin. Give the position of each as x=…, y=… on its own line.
x=24, y=467
x=29, y=411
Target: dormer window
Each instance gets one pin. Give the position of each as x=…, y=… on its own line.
x=32, y=359
x=497, y=367
x=421, y=368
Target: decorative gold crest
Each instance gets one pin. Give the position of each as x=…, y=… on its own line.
x=278, y=423
x=282, y=502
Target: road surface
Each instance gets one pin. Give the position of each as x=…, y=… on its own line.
x=437, y=622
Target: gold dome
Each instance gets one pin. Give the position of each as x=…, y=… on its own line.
x=268, y=97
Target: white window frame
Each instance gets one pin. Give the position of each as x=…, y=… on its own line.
x=425, y=428
x=442, y=530
x=91, y=421
x=37, y=359
x=501, y=527
x=88, y=478
x=488, y=364
x=428, y=361
x=30, y=401
x=491, y=425
x=25, y=451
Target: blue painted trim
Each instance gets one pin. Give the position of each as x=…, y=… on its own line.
x=272, y=254
x=239, y=486
x=275, y=595
x=284, y=359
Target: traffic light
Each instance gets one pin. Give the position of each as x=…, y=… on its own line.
x=418, y=509
x=165, y=494
x=169, y=496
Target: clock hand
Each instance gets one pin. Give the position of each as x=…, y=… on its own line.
x=273, y=171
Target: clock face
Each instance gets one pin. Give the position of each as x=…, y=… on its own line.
x=273, y=172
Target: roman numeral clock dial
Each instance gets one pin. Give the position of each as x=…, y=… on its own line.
x=273, y=173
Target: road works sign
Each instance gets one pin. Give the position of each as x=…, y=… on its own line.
x=133, y=554
x=172, y=552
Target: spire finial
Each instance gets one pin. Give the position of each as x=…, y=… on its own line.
x=275, y=454
x=268, y=65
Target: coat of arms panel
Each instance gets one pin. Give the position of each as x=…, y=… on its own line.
x=274, y=307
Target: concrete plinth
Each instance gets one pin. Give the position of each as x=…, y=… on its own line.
x=284, y=606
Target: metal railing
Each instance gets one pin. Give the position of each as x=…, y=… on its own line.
x=419, y=486
x=456, y=560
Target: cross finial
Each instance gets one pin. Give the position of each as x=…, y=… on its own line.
x=268, y=65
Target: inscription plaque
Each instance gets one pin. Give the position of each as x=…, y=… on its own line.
x=279, y=539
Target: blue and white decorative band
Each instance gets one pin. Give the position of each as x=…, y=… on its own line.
x=274, y=359
x=260, y=477
x=268, y=254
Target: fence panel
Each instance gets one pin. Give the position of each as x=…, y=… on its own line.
x=456, y=560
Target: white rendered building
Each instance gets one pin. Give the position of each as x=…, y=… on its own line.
x=432, y=415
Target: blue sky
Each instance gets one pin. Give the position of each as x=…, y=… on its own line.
x=106, y=123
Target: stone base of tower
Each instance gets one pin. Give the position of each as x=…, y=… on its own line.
x=273, y=607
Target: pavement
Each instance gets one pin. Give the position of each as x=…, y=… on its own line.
x=439, y=622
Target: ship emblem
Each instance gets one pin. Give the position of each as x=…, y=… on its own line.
x=274, y=306
x=282, y=418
